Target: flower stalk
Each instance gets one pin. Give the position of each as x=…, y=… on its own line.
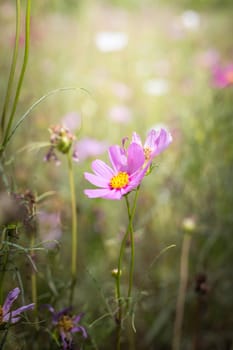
x=22, y=73
x=74, y=226
x=13, y=66
x=128, y=232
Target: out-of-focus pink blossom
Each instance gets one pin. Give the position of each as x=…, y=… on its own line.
x=223, y=76
x=120, y=114
x=88, y=148
x=50, y=227
x=71, y=121
x=121, y=90
x=208, y=58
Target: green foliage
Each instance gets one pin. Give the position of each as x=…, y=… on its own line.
x=192, y=179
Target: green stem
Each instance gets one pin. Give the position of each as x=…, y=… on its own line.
x=33, y=275
x=182, y=291
x=131, y=216
x=13, y=66
x=122, y=249
x=74, y=227
x=5, y=251
x=118, y=289
x=22, y=73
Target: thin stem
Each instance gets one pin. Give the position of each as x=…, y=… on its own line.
x=33, y=275
x=22, y=73
x=118, y=290
x=74, y=227
x=182, y=291
x=122, y=249
x=13, y=66
x=131, y=216
x=5, y=250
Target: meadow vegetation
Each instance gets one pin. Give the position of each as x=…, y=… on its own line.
x=97, y=72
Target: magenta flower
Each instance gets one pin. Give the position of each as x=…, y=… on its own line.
x=223, y=76
x=156, y=142
x=66, y=325
x=125, y=175
x=7, y=316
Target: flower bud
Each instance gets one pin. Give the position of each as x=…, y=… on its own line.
x=115, y=273
x=189, y=224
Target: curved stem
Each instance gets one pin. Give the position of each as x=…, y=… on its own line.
x=22, y=73
x=74, y=227
x=13, y=65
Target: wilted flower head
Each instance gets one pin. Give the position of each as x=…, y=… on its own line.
x=67, y=324
x=125, y=175
x=223, y=76
x=26, y=203
x=156, y=142
x=8, y=316
x=61, y=139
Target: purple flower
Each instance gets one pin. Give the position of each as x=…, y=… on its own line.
x=66, y=325
x=12, y=316
x=156, y=142
x=125, y=175
x=223, y=76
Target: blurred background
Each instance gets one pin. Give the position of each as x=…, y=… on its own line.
x=140, y=65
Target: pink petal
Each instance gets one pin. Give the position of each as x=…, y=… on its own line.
x=97, y=193
x=117, y=157
x=102, y=169
x=96, y=180
x=103, y=193
x=136, y=157
x=136, y=139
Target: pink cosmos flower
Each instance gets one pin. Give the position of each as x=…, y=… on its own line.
x=6, y=315
x=125, y=175
x=223, y=76
x=156, y=142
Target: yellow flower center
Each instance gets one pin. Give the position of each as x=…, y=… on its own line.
x=66, y=323
x=147, y=153
x=120, y=180
x=229, y=77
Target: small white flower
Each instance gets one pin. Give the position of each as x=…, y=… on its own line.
x=190, y=19
x=111, y=41
x=156, y=87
